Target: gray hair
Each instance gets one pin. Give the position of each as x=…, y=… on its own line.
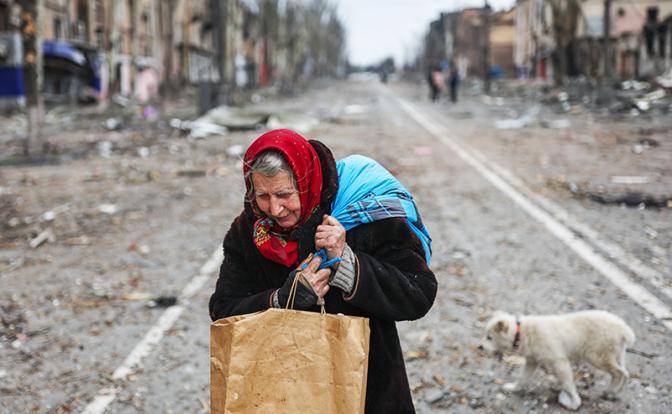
x=268, y=163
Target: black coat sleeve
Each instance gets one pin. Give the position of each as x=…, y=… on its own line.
x=237, y=291
x=393, y=281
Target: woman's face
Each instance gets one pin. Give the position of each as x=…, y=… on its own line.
x=277, y=198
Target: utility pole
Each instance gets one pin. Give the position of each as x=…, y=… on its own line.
x=112, y=29
x=31, y=32
x=167, y=15
x=67, y=27
x=486, y=47
x=135, y=44
x=607, y=43
x=605, y=94
x=220, y=10
x=218, y=23
x=186, y=42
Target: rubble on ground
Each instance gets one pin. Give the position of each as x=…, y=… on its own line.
x=219, y=120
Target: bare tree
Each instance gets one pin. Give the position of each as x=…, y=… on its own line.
x=326, y=36
x=167, y=19
x=31, y=32
x=607, y=40
x=566, y=14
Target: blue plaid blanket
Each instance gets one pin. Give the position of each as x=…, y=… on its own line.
x=367, y=192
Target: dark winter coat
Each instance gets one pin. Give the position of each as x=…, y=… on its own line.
x=393, y=283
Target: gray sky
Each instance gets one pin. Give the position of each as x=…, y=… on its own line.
x=380, y=28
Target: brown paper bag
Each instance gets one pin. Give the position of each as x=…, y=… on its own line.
x=287, y=361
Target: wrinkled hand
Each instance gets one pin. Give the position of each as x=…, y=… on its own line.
x=318, y=279
x=312, y=284
x=330, y=235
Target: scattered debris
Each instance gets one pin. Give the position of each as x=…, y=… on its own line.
x=198, y=129
x=433, y=395
x=82, y=240
x=632, y=199
x=651, y=389
x=526, y=120
x=611, y=196
x=47, y=215
x=635, y=85
x=630, y=179
x=439, y=379
x=644, y=144
x=476, y=403
x=46, y=235
x=641, y=353
x=220, y=120
x=152, y=301
x=416, y=354
x=355, y=109
x=113, y=124
x=298, y=122
x=665, y=80
x=652, y=233
x=238, y=119
x=162, y=302
x=136, y=296
x=192, y=173
x=556, y=124
x=143, y=152
x=105, y=149
x=644, y=103
x=149, y=113
x=109, y=209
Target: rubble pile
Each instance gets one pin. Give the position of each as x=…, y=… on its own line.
x=621, y=194
x=581, y=94
x=220, y=120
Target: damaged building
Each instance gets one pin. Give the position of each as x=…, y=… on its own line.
x=96, y=49
x=639, y=39
x=469, y=38
x=534, y=43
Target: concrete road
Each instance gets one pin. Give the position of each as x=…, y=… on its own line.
x=80, y=332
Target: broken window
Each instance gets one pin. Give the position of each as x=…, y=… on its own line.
x=652, y=14
x=650, y=30
x=58, y=29
x=80, y=25
x=99, y=24
x=4, y=17
x=662, y=37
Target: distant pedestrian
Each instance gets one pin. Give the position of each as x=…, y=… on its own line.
x=454, y=81
x=435, y=81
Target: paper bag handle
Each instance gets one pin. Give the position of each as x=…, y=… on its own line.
x=292, y=293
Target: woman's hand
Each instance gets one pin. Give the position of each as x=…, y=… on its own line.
x=330, y=235
x=312, y=285
x=318, y=279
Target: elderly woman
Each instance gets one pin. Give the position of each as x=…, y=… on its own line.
x=383, y=274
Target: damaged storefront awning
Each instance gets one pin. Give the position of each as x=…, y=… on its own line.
x=63, y=50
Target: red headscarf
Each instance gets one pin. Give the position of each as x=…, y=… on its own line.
x=307, y=171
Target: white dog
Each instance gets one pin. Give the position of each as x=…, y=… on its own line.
x=552, y=341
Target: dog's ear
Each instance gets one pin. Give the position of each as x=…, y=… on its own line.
x=501, y=326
